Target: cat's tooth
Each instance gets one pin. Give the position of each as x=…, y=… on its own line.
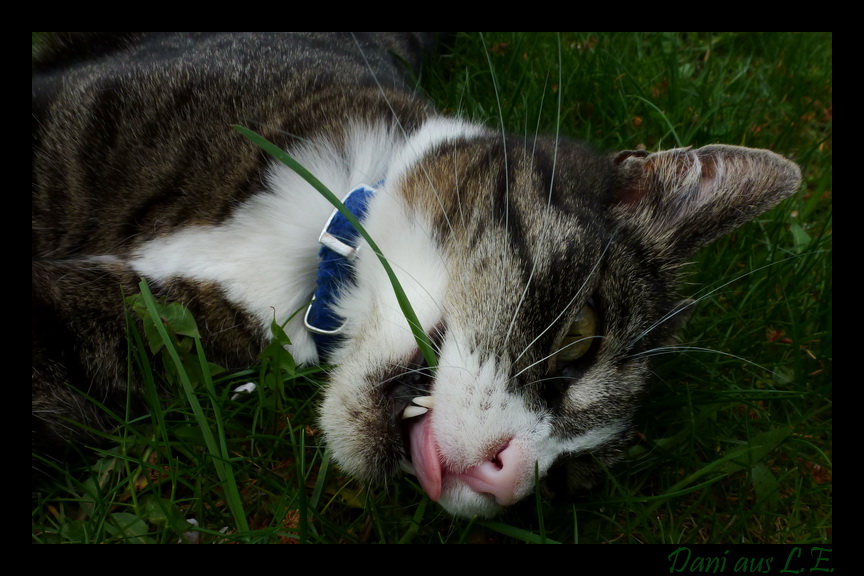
x=412, y=411
x=407, y=467
x=425, y=401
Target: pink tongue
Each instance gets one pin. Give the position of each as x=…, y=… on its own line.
x=424, y=456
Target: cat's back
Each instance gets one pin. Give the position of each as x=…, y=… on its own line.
x=77, y=63
x=146, y=118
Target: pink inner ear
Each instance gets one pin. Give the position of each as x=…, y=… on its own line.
x=655, y=174
x=630, y=195
x=633, y=190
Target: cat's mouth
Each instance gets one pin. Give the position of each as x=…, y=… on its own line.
x=501, y=468
x=421, y=457
x=411, y=402
x=497, y=478
x=410, y=388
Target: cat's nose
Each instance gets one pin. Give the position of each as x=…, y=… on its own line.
x=503, y=476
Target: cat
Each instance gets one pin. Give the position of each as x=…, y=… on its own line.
x=541, y=272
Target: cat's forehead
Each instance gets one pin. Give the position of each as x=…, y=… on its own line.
x=524, y=224
x=490, y=175
x=530, y=274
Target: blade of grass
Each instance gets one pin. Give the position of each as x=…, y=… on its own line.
x=218, y=450
x=302, y=500
x=524, y=535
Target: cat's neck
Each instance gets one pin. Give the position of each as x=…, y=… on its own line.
x=273, y=237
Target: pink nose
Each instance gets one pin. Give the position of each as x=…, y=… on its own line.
x=499, y=476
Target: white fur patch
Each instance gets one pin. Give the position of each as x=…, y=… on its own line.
x=265, y=255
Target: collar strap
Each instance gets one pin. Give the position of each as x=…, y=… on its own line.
x=339, y=242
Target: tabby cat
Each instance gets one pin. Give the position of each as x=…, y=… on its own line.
x=541, y=271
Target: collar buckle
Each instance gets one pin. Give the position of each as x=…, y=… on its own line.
x=339, y=242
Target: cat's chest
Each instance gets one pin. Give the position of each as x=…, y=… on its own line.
x=262, y=258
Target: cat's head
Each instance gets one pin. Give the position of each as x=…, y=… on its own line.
x=543, y=275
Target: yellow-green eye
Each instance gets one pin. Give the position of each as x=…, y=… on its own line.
x=579, y=336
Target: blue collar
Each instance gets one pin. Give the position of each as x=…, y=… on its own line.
x=339, y=243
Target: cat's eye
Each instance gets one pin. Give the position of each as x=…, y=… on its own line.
x=579, y=337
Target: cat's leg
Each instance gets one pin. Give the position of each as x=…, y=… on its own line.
x=79, y=351
x=80, y=346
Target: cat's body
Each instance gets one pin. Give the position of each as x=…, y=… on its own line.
x=501, y=245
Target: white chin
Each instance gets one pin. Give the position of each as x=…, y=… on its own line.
x=460, y=500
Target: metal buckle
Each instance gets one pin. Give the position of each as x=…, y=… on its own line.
x=315, y=329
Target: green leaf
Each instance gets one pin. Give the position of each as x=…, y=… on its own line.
x=160, y=511
x=279, y=356
x=173, y=315
x=75, y=531
x=766, y=486
x=799, y=237
x=129, y=526
x=279, y=334
x=179, y=319
x=154, y=509
x=756, y=450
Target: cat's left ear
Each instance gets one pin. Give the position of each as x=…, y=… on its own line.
x=686, y=198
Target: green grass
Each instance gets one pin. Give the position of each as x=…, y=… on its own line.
x=736, y=438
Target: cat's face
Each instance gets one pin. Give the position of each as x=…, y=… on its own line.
x=542, y=276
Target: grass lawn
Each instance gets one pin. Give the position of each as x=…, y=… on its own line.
x=736, y=438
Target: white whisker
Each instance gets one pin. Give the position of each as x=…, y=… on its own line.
x=540, y=244
x=674, y=349
x=679, y=309
x=402, y=129
x=579, y=294
x=548, y=356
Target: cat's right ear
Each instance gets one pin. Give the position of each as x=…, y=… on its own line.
x=686, y=198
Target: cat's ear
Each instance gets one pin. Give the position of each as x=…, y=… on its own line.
x=686, y=198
